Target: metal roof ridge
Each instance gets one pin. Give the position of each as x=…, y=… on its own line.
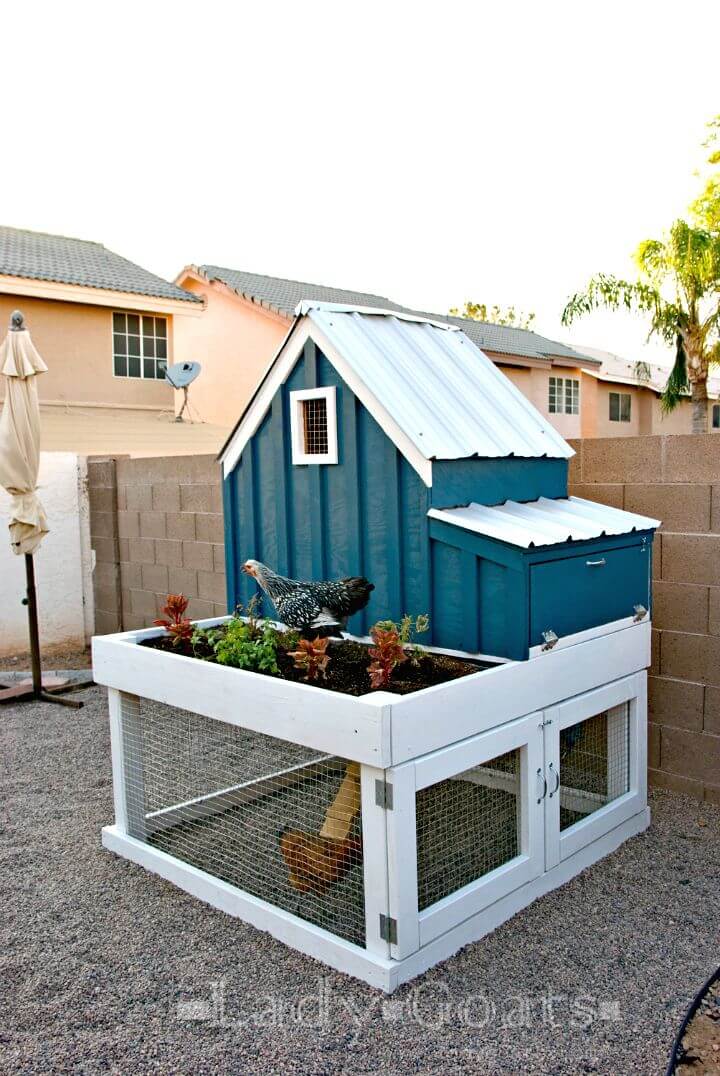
x=305, y=306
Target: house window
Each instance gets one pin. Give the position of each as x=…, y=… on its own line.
x=564, y=397
x=313, y=426
x=620, y=406
x=716, y=417
x=139, y=346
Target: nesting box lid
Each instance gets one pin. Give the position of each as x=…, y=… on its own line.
x=545, y=521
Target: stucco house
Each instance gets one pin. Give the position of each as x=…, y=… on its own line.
x=106, y=328
x=247, y=317
x=626, y=395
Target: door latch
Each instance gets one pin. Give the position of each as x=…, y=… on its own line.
x=640, y=612
x=550, y=639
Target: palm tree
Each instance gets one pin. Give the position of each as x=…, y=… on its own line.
x=678, y=288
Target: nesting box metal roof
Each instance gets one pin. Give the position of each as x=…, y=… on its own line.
x=545, y=521
x=427, y=380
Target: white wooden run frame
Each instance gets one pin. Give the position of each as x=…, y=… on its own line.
x=516, y=728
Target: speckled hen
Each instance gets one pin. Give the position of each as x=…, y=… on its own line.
x=308, y=606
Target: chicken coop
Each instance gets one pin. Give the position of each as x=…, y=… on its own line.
x=380, y=833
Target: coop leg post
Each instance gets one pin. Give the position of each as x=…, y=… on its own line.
x=402, y=861
x=638, y=738
x=375, y=861
x=127, y=765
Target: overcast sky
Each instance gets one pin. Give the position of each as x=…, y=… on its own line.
x=430, y=152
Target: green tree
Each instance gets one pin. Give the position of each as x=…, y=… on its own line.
x=678, y=290
x=498, y=315
x=706, y=208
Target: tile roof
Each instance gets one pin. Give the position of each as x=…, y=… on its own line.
x=284, y=295
x=39, y=256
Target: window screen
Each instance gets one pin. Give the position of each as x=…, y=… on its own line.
x=315, y=426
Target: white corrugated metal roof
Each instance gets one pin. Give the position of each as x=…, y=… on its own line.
x=545, y=521
x=446, y=396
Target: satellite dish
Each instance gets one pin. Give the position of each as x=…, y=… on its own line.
x=181, y=375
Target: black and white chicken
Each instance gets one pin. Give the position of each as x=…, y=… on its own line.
x=307, y=606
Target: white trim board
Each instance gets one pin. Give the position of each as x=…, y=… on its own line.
x=79, y=293
x=313, y=941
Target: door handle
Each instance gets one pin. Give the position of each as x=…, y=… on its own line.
x=554, y=773
x=595, y=563
x=540, y=778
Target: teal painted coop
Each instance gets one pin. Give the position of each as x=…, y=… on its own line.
x=393, y=448
x=388, y=446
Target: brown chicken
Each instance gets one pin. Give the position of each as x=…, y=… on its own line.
x=315, y=863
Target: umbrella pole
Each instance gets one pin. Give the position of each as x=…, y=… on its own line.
x=37, y=684
x=33, y=626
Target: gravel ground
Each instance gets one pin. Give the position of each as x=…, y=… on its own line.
x=106, y=968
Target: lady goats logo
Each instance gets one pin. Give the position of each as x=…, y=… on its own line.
x=430, y=1005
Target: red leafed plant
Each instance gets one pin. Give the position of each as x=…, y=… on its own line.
x=386, y=654
x=312, y=656
x=175, y=622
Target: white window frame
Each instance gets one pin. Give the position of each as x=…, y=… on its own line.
x=559, y=387
x=142, y=356
x=621, y=396
x=297, y=430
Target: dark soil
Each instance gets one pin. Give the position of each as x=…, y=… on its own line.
x=701, y=1043
x=347, y=669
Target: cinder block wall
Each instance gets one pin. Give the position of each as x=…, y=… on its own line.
x=676, y=479
x=163, y=536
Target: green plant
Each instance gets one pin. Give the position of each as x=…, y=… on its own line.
x=312, y=656
x=176, y=624
x=204, y=640
x=246, y=645
x=406, y=629
x=387, y=653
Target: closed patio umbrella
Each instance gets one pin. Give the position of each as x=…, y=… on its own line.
x=20, y=364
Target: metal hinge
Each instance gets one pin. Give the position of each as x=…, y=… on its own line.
x=383, y=794
x=388, y=929
x=550, y=639
x=640, y=612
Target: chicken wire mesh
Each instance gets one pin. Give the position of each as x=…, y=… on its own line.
x=315, y=428
x=467, y=826
x=271, y=817
x=594, y=763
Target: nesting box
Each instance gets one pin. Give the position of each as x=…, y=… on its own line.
x=380, y=833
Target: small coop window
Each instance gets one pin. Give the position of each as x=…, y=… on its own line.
x=313, y=424
x=564, y=396
x=620, y=404
x=716, y=417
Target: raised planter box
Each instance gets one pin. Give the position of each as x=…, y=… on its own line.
x=474, y=796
